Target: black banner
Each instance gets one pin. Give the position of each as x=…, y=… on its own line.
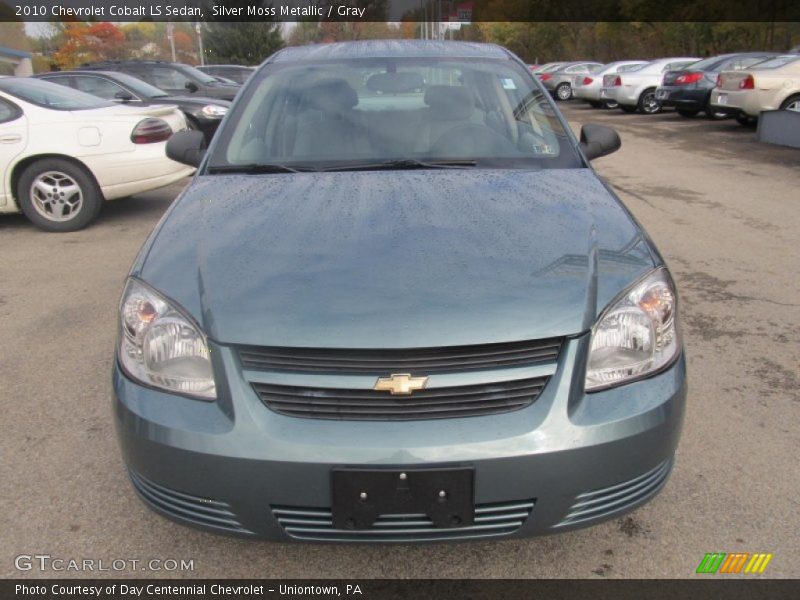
x=734, y=588
x=456, y=11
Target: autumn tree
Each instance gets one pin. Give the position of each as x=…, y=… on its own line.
x=84, y=42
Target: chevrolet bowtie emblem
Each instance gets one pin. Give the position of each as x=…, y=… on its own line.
x=401, y=384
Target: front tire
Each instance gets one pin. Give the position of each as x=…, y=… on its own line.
x=612, y=104
x=745, y=120
x=58, y=195
x=648, y=105
x=563, y=91
x=595, y=104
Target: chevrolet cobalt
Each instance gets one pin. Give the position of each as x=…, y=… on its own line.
x=396, y=304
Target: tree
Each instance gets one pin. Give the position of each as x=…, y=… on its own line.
x=242, y=43
x=89, y=42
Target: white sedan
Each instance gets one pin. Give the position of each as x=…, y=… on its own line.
x=63, y=152
x=636, y=89
x=770, y=85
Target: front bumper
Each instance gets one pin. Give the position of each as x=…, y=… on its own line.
x=568, y=460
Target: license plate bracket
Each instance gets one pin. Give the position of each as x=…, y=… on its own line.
x=402, y=491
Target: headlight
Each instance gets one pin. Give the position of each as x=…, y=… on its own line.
x=162, y=347
x=213, y=111
x=635, y=336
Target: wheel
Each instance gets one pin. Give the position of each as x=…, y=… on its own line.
x=563, y=91
x=595, y=104
x=792, y=103
x=612, y=104
x=745, y=121
x=58, y=195
x=687, y=113
x=648, y=105
x=627, y=109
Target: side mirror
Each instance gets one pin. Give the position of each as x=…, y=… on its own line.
x=123, y=96
x=191, y=86
x=187, y=147
x=599, y=140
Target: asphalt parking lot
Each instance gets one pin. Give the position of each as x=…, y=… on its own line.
x=721, y=207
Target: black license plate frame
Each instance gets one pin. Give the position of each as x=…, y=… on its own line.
x=361, y=495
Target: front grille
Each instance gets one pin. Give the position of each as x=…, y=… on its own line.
x=186, y=507
x=317, y=524
x=370, y=405
x=385, y=361
x=606, y=501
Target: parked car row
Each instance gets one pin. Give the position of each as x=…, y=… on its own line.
x=62, y=152
x=71, y=139
x=741, y=85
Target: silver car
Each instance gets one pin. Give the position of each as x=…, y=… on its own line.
x=394, y=310
x=559, y=82
x=587, y=87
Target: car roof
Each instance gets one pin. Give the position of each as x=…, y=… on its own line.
x=201, y=67
x=109, y=74
x=389, y=49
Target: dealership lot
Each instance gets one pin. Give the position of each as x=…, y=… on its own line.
x=721, y=207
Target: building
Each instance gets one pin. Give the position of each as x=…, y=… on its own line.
x=15, y=62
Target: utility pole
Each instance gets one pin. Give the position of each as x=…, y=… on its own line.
x=171, y=36
x=199, y=31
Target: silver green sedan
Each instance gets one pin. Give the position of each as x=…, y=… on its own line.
x=396, y=304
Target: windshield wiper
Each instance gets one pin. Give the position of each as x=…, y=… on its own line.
x=407, y=163
x=256, y=168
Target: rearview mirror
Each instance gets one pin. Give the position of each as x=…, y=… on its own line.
x=599, y=140
x=187, y=147
x=191, y=86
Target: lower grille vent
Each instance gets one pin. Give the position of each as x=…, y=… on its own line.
x=606, y=501
x=185, y=507
x=317, y=524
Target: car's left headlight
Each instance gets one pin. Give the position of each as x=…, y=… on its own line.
x=212, y=111
x=637, y=335
x=160, y=346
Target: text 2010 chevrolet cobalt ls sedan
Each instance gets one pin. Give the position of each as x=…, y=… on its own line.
x=396, y=304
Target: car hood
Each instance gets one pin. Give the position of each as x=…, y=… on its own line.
x=395, y=258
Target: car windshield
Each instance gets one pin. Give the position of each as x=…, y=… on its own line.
x=50, y=95
x=394, y=113
x=204, y=78
x=139, y=87
x=778, y=61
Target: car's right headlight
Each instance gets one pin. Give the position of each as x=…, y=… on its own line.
x=160, y=346
x=212, y=111
x=635, y=336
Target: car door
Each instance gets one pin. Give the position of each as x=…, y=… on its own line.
x=13, y=139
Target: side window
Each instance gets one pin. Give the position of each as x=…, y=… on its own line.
x=168, y=78
x=750, y=60
x=8, y=111
x=59, y=79
x=97, y=86
x=576, y=69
